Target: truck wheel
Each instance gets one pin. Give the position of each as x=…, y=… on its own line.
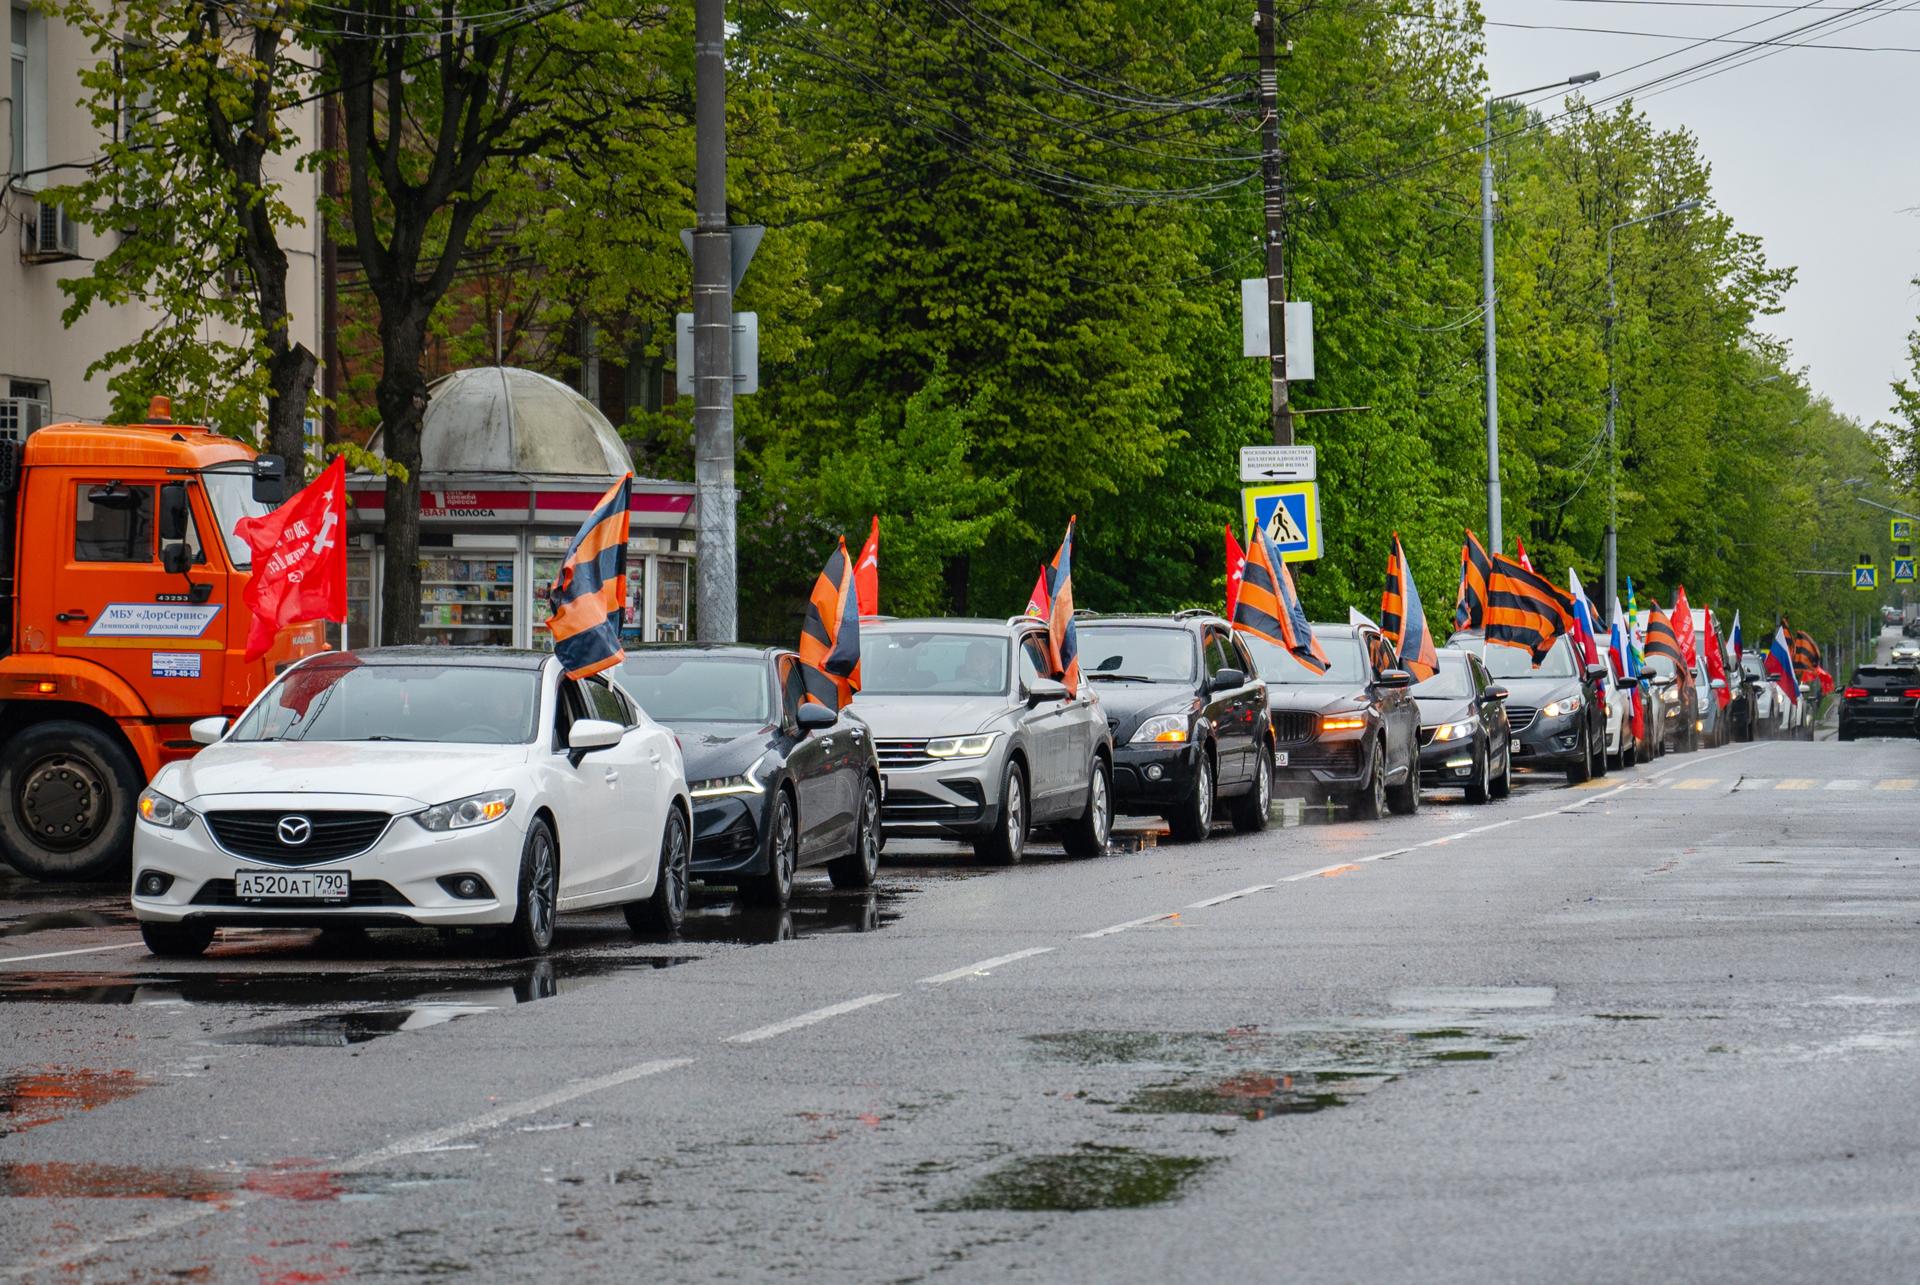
x=67, y=791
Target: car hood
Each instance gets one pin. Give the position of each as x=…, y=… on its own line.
x=722, y=749
x=913, y=717
x=1127, y=705
x=1315, y=697
x=1435, y=710
x=426, y=774
x=1538, y=691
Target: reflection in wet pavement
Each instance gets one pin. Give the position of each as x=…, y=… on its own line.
x=64, y=1180
x=1092, y=1177
x=53, y=920
x=29, y=1099
x=726, y=921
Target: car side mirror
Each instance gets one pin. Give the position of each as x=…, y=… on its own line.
x=1596, y=673
x=593, y=734
x=174, y=559
x=205, y=731
x=269, y=480
x=1493, y=692
x=1041, y=690
x=173, y=511
x=1393, y=678
x=1718, y=684
x=814, y=717
x=1226, y=680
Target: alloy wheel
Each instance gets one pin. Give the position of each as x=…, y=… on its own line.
x=1015, y=820
x=673, y=865
x=541, y=889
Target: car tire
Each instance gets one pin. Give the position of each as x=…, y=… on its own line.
x=1480, y=786
x=1599, y=753
x=1192, y=821
x=1087, y=835
x=1008, y=841
x=94, y=784
x=1404, y=800
x=536, y=894
x=177, y=941
x=1251, y=810
x=861, y=867
x=774, y=887
x=1503, y=784
x=1580, y=771
x=667, y=907
x=1369, y=802
x=1630, y=752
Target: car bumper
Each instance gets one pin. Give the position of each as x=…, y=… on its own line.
x=398, y=880
x=1330, y=763
x=1551, y=742
x=1148, y=779
x=1878, y=720
x=728, y=835
x=954, y=796
x=1445, y=763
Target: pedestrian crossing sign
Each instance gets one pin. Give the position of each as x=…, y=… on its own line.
x=1866, y=576
x=1900, y=529
x=1290, y=511
x=1903, y=570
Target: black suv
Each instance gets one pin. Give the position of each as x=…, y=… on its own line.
x=1188, y=717
x=1351, y=734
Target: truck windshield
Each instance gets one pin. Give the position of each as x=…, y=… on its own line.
x=341, y=699
x=232, y=496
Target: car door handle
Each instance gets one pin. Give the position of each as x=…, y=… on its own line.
x=64, y=616
x=654, y=759
x=612, y=776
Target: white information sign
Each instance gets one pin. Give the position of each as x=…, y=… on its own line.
x=154, y=620
x=1278, y=464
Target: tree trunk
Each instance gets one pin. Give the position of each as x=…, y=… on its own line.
x=402, y=398
x=290, y=374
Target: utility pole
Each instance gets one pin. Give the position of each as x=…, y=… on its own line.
x=1276, y=211
x=715, y=571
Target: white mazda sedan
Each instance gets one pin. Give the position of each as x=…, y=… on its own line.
x=413, y=785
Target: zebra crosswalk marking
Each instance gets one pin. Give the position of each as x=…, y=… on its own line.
x=1697, y=783
x=1846, y=783
x=1795, y=783
x=1896, y=783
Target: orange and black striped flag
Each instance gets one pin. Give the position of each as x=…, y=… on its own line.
x=1806, y=652
x=1269, y=608
x=1525, y=609
x=588, y=599
x=1404, y=620
x=1662, y=641
x=830, y=635
x=1470, y=603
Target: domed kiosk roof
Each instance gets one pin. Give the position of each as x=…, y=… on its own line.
x=501, y=420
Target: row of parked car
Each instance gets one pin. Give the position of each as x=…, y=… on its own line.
x=483, y=788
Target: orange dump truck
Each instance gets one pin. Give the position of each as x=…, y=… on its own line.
x=121, y=622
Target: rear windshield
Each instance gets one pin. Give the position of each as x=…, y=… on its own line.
x=343, y=700
x=698, y=689
x=1121, y=653
x=1883, y=674
x=902, y=662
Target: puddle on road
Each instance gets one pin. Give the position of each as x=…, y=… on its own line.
x=29, y=1099
x=1251, y=1095
x=68, y=1180
x=1093, y=1177
x=53, y=920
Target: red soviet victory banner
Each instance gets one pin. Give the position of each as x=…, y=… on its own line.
x=299, y=559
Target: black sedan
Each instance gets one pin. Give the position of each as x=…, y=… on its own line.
x=1464, y=738
x=1352, y=734
x=777, y=783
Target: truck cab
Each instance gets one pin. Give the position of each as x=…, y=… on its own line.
x=122, y=620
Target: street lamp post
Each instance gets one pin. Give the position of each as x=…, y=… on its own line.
x=1486, y=300
x=1613, y=401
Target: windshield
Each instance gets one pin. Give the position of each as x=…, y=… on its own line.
x=1512, y=662
x=341, y=699
x=1345, y=663
x=1754, y=664
x=677, y=689
x=900, y=662
x=1662, y=664
x=1143, y=655
x=1453, y=682
x=232, y=496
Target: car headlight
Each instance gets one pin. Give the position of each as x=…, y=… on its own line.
x=1342, y=722
x=1669, y=697
x=461, y=814
x=1169, y=728
x=962, y=747
x=1565, y=705
x=714, y=787
x=169, y=814
x=1455, y=731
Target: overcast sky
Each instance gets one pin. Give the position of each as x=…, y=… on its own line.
x=1817, y=151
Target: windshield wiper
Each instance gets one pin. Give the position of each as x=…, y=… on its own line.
x=384, y=737
x=1108, y=676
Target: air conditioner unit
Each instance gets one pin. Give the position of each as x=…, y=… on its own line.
x=20, y=416
x=52, y=236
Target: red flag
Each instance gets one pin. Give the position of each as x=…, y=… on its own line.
x=1716, y=660
x=1682, y=621
x=866, y=573
x=299, y=559
x=1040, y=603
x=1520, y=547
x=1236, y=566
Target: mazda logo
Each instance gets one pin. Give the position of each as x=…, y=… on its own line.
x=295, y=831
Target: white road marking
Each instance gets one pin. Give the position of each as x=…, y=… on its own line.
x=1141, y=922
x=1846, y=783
x=1697, y=783
x=807, y=1019
x=1228, y=896
x=1795, y=783
x=1896, y=783
x=55, y=954
x=985, y=966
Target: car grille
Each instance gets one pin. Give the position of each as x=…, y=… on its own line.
x=902, y=753
x=914, y=807
x=335, y=837
x=1335, y=756
x=1520, y=718
x=1294, y=725
x=360, y=892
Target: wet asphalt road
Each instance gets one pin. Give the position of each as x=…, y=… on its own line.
x=1666, y=1026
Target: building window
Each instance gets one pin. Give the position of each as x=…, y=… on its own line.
x=27, y=88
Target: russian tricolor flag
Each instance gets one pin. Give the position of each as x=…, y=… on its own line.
x=1586, y=633
x=1780, y=664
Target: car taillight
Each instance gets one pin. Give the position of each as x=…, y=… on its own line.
x=1854, y=693
x=1912, y=693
